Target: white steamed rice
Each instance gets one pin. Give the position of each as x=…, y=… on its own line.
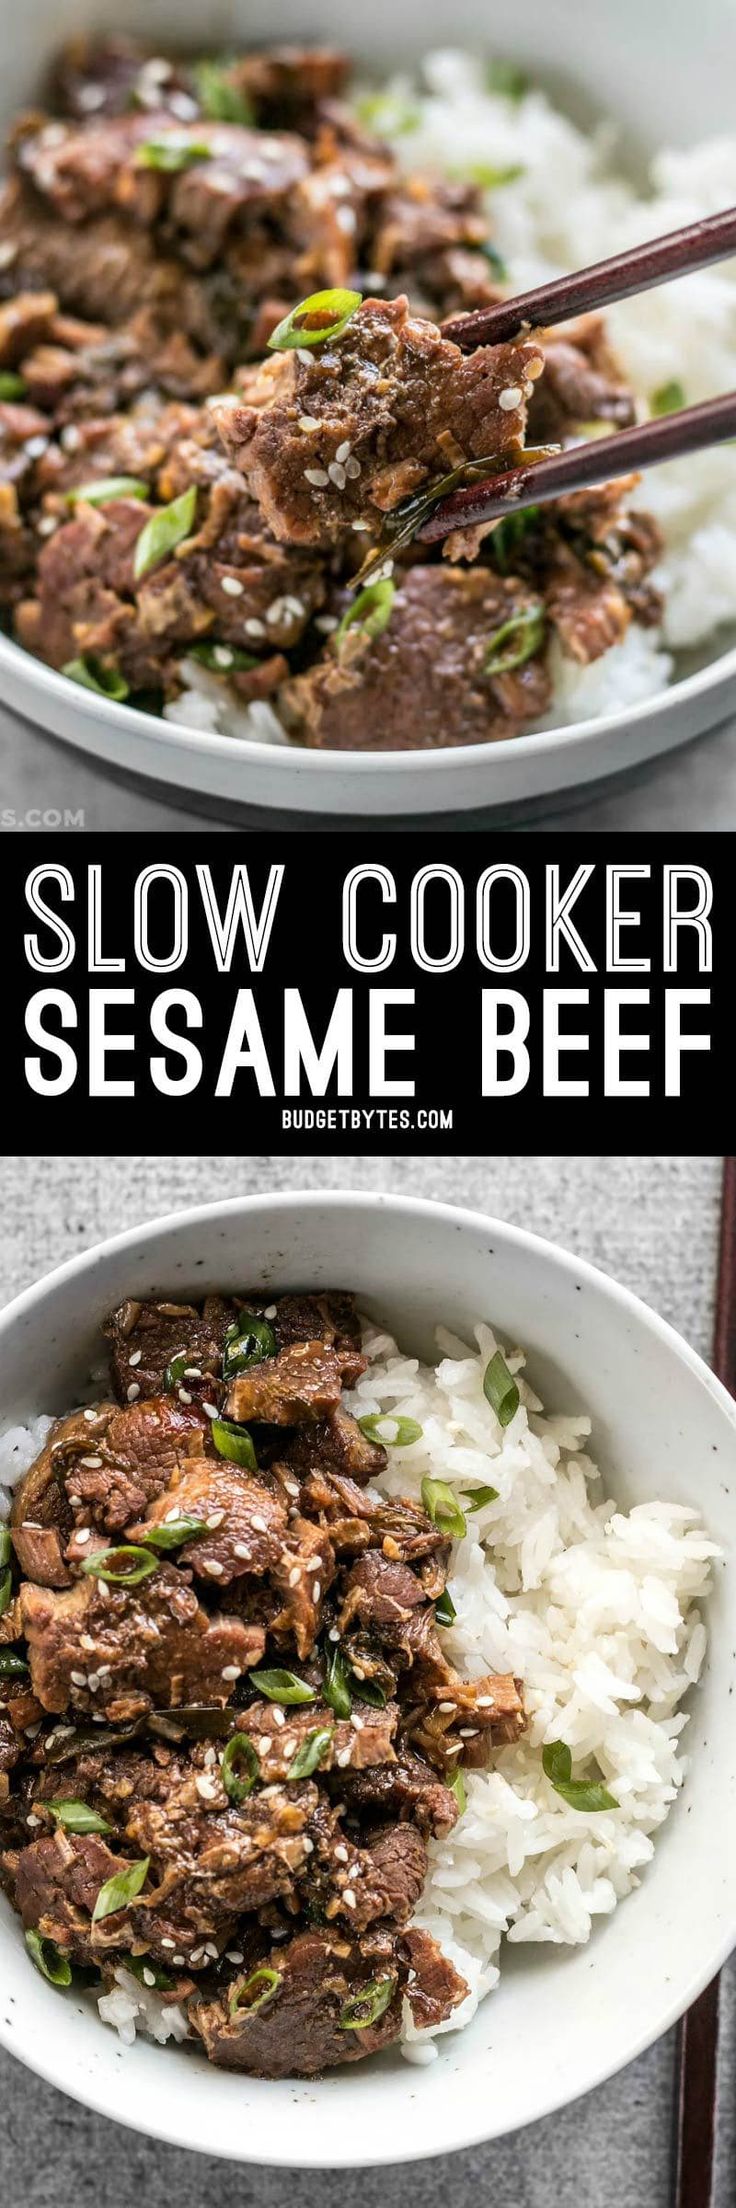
x=596, y=1610
x=569, y=206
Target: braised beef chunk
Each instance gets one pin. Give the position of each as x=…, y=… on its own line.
x=146, y=1337
x=108, y=76
x=286, y=86
x=408, y=1789
x=360, y=1743
x=241, y=1521
x=305, y=2026
x=389, y=408
x=116, y=1474
x=434, y=1987
x=428, y=679
x=302, y=1382
x=119, y=1651
x=581, y=383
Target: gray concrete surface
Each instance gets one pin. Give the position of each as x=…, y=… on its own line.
x=694, y=788
x=651, y=1221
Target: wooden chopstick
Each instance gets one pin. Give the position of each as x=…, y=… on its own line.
x=640, y=268
x=598, y=460
x=697, y=2079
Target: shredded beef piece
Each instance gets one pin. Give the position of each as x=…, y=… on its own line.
x=57, y=1881
x=245, y=1517
x=582, y=382
x=132, y=1462
x=393, y=400
x=298, y=2033
x=39, y=1553
x=434, y=1986
x=148, y=1646
x=302, y=1576
x=408, y=1789
x=421, y=684
x=302, y=1382
x=279, y=1734
x=335, y=1445
x=87, y=168
x=331, y=1318
x=286, y=85
x=108, y=269
x=144, y=1338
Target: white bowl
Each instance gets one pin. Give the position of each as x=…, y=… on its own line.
x=665, y=71
x=562, y=2019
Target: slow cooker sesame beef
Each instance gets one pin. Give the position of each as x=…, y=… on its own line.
x=232, y=1728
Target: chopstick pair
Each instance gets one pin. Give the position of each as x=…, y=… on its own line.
x=645, y=445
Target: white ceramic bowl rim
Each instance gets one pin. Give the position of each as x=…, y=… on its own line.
x=46, y=2056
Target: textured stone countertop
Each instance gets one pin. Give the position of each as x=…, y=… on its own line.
x=651, y=1221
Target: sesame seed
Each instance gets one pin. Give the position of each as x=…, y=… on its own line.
x=360, y=525
x=259, y=1524
x=270, y=1311
x=149, y=1978
x=264, y=1744
x=167, y=1943
x=90, y=1415
x=318, y=476
x=171, y=1515
x=292, y=1487
x=211, y=1408
x=210, y=1757
x=333, y=1634
x=231, y=1671
x=184, y=1395
x=31, y=1820
x=337, y=475
x=357, y=1723
x=485, y=1702
x=253, y=627
x=510, y=398
x=326, y=623
x=316, y=1591
x=178, y=1959
x=303, y=354
x=242, y=1549
x=349, y=1898
x=70, y=439
x=308, y=1846
x=86, y=1641
x=132, y=1391
x=210, y=1564
x=82, y=1534
x=344, y=1756
x=222, y=657
x=307, y=422
x=234, y=1954
x=443, y=1706
x=196, y=1955
x=295, y=1575
x=278, y=1716
x=343, y=450
x=34, y=447
x=346, y=219
x=92, y=1462
x=47, y=528
x=232, y=587
x=211, y=1950
x=206, y=1787
x=78, y=1678
x=136, y=1357
x=468, y=1732
x=353, y=468
x=341, y=1855
x=214, y=1521
x=103, y=1670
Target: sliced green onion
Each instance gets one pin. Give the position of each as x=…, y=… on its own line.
x=146, y=1971
x=6, y=1590
x=584, y=1794
x=489, y=179
x=11, y=386
x=669, y=398
x=309, y=1757
x=233, y=1442
x=509, y=533
x=171, y=154
x=223, y=659
x=172, y=1536
x=119, y=1890
x=336, y=1681
x=457, y=1787
x=500, y=1389
x=92, y=675
x=444, y=1609
x=6, y=1546
x=389, y=112
x=281, y=1686
x=505, y=77
x=175, y=1370
x=106, y=487
x=49, y=1959
x=516, y=641
x=165, y=529
x=268, y=1979
x=477, y=1497
x=442, y=1506
x=365, y=2007
x=11, y=1665
x=247, y=1343
x=78, y=1817
x=239, y=1750
x=405, y=1430
x=317, y=320
x=218, y=97
x=370, y=612
x=369, y=1690
x=102, y=1566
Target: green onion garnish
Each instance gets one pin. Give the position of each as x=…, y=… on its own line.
x=309, y=1757
x=11, y=1664
x=119, y=1890
x=516, y=641
x=6, y=1546
x=6, y=1590
x=584, y=1794
x=281, y=1686
x=316, y=320
x=175, y=1370
x=669, y=398
x=49, y=1959
x=218, y=97
x=171, y=154
x=143, y=1969
x=364, y=2008
x=457, y=1787
x=477, y=1497
x=177, y=1531
x=11, y=386
x=387, y=111
x=93, y=675
x=369, y=1690
x=165, y=529
x=234, y=1442
x=509, y=533
x=248, y=1342
x=239, y=1751
x=223, y=659
x=78, y=1817
x=444, y=1609
x=442, y=1506
x=405, y=1430
x=269, y=1980
x=505, y=77
x=107, y=487
x=370, y=612
x=500, y=1389
x=103, y=1566
x=490, y=179
x=336, y=1681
